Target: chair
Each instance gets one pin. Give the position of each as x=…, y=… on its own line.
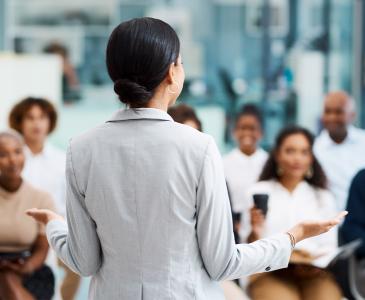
x=345, y=269
x=356, y=271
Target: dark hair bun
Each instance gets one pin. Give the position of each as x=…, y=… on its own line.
x=138, y=56
x=129, y=91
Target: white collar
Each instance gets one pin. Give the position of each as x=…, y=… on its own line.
x=46, y=151
x=351, y=137
x=239, y=153
x=303, y=185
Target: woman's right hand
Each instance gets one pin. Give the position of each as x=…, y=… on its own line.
x=309, y=229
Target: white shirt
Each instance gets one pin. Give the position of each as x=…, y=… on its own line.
x=241, y=172
x=46, y=171
x=341, y=162
x=286, y=209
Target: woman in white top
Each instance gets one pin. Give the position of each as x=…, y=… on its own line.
x=185, y=114
x=36, y=119
x=147, y=206
x=296, y=185
x=247, y=156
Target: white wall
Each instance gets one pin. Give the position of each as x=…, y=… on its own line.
x=28, y=75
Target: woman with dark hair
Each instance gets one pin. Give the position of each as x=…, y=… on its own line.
x=147, y=205
x=248, y=155
x=297, y=189
x=36, y=119
x=185, y=114
x=23, y=243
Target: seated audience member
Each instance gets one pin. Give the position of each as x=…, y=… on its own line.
x=35, y=119
x=243, y=165
x=340, y=146
x=296, y=187
x=185, y=114
x=23, y=277
x=354, y=227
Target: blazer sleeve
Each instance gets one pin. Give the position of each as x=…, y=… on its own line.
x=76, y=242
x=222, y=258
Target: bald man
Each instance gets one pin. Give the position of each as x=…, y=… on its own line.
x=340, y=147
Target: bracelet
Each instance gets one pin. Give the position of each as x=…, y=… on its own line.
x=293, y=242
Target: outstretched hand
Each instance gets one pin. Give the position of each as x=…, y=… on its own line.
x=309, y=229
x=43, y=216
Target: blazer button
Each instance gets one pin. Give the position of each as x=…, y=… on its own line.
x=268, y=269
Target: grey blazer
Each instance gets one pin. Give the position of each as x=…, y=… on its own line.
x=149, y=216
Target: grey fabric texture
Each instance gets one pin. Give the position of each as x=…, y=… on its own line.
x=149, y=215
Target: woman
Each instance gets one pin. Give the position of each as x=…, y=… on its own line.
x=185, y=114
x=248, y=155
x=22, y=278
x=147, y=206
x=297, y=190
x=36, y=119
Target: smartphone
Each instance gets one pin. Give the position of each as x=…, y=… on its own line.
x=261, y=202
x=14, y=256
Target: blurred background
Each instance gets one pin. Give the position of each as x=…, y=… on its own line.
x=283, y=55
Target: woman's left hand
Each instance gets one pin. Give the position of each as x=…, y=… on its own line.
x=21, y=266
x=43, y=216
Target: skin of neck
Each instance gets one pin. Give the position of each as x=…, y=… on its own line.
x=339, y=137
x=10, y=184
x=36, y=146
x=161, y=99
x=248, y=151
x=290, y=182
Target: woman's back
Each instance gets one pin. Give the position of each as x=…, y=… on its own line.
x=149, y=215
x=141, y=193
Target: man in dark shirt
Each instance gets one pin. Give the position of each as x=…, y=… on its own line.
x=354, y=225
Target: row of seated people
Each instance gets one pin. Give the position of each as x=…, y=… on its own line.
x=32, y=174
x=290, y=175
x=299, y=186
x=304, y=178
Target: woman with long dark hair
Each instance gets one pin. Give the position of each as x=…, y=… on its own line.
x=147, y=206
x=297, y=189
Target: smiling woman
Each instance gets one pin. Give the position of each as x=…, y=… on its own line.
x=296, y=187
x=23, y=245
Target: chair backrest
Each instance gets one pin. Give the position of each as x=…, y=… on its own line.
x=346, y=251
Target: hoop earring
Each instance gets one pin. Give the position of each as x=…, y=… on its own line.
x=309, y=173
x=173, y=92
